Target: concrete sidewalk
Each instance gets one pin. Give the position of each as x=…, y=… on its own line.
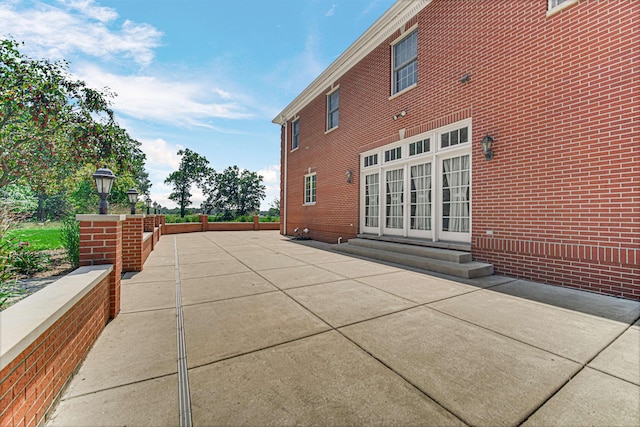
x=283, y=333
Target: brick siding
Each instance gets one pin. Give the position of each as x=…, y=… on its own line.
x=558, y=93
x=30, y=384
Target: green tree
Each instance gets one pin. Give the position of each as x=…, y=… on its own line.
x=52, y=126
x=233, y=192
x=192, y=170
x=49, y=123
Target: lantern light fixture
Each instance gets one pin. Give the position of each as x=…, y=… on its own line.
x=147, y=202
x=132, y=194
x=155, y=207
x=487, y=146
x=104, y=178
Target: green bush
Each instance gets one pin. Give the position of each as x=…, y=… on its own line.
x=71, y=240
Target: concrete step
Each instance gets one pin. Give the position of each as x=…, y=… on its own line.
x=442, y=244
x=467, y=270
x=421, y=251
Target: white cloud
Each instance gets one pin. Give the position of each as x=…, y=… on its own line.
x=331, y=11
x=271, y=180
x=79, y=26
x=160, y=155
x=91, y=10
x=181, y=103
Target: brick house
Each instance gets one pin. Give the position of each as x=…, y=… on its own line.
x=387, y=141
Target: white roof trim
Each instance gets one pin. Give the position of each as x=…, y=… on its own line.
x=397, y=15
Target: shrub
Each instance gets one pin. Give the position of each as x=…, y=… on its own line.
x=71, y=240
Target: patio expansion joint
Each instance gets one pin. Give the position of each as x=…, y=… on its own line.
x=184, y=397
x=115, y=387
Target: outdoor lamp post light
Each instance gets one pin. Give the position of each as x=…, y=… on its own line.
x=487, y=144
x=147, y=202
x=104, y=180
x=132, y=193
x=155, y=207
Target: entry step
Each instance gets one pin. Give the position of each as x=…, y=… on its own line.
x=446, y=261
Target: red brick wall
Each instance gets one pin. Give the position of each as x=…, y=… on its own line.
x=132, y=247
x=101, y=243
x=559, y=94
x=32, y=381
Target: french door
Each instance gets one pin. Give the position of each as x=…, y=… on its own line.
x=420, y=187
x=394, y=202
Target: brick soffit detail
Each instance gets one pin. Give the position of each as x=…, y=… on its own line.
x=397, y=15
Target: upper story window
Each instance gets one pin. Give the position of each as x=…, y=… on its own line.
x=454, y=137
x=405, y=62
x=295, y=134
x=310, y=189
x=333, y=102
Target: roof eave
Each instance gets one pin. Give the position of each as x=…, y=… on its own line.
x=398, y=14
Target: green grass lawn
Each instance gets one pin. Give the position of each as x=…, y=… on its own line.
x=39, y=237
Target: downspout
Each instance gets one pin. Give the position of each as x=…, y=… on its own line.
x=286, y=157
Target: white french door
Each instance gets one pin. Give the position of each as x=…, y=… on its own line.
x=394, y=202
x=420, y=206
x=419, y=187
x=371, y=207
x=455, y=198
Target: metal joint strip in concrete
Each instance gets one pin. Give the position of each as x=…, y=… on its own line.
x=183, y=373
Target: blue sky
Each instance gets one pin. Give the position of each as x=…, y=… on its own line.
x=208, y=75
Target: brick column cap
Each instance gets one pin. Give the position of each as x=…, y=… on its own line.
x=136, y=216
x=96, y=217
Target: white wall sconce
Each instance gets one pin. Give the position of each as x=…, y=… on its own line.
x=400, y=115
x=349, y=177
x=487, y=146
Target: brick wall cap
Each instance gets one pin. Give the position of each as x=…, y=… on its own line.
x=96, y=217
x=24, y=322
x=136, y=216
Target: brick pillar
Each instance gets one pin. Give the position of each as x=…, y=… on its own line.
x=149, y=223
x=156, y=219
x=256, y=222
x=101, y=243
x=204, y=220
x=132, y=243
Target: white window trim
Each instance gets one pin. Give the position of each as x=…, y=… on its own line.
x=305, y=203
x=552, y=10
x=296, y=120
x=327, y=95
x=403, y=36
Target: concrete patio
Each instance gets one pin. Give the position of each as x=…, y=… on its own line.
x=287, y=333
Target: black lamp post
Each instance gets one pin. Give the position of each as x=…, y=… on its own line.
x=147, y=202
x=155, y=207
x=104, y=180
x=132, y=193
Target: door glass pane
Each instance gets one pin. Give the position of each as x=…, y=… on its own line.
x=455, y=194
x=421, y=197
x=371, y=200
x=395, y=199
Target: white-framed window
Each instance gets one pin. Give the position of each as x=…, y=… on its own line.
x=404, y=60
x=419, y=147
x=310, y=189
x=392, y=154
x=371, y=160
x=557, y=5
x=295, y=134
x=454, y=137
x=333, y=112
